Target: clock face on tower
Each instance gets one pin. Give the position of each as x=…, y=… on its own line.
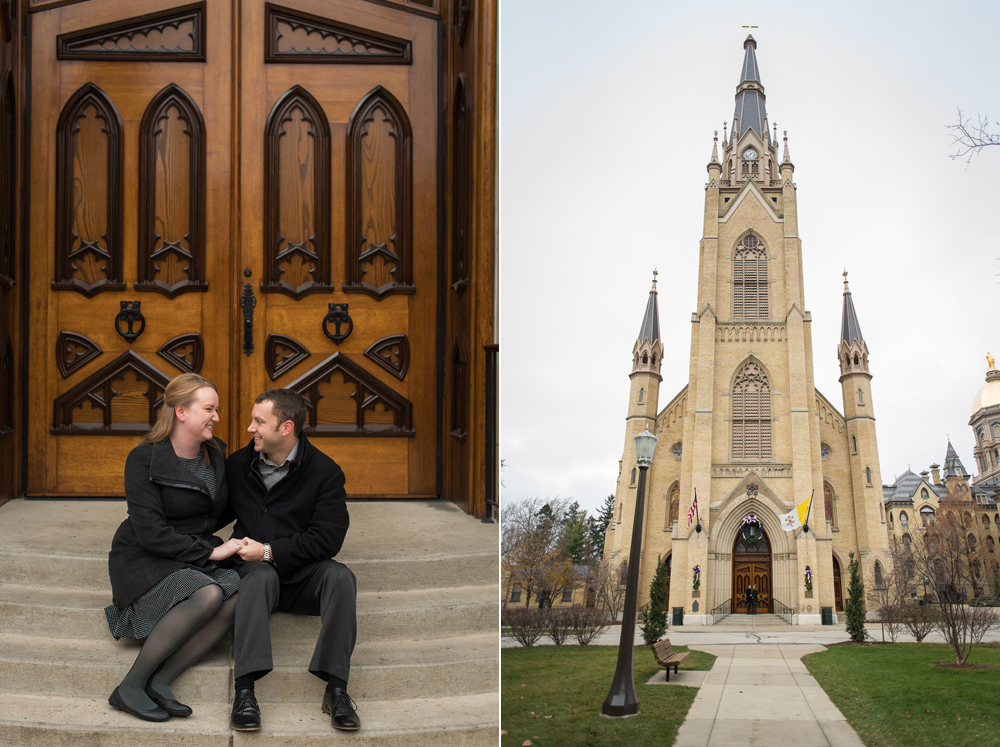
x=749, y=154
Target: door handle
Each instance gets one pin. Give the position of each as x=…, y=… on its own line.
x=248, y=303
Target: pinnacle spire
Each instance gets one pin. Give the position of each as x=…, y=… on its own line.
x=650, y=329
x=850, y=328
x=750, y=112
x=952, y=464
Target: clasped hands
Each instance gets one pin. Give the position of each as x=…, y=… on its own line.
x=248, y=549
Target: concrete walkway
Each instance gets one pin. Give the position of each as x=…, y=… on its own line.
x=762, y=695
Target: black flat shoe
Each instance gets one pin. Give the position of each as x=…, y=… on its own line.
x=173, y=707
x=246, y=712
x=341, y=708
x=116, y=702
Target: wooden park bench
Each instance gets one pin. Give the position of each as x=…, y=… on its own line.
x=667, y=657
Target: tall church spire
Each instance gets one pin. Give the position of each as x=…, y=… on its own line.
x=852, y=350
x=647, y=355
x=850, y=328
x=750, y=112
x=650, y=329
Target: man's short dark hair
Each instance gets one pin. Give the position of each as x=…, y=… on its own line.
x=286, y=405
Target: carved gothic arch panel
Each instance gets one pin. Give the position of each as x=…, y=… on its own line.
x=297, y=196
x=283, y=353
x=187, y=352
x=392, y=353
x=89, y=147
x=172, y=195
x=379, y=197
x=120, y=399
x=174, y=35
x=342, y=399
x=295, y=36
x=73, y=351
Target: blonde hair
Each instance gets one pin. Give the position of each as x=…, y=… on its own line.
x=179, y=393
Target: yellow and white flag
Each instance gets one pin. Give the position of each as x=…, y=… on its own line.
x=796, y=517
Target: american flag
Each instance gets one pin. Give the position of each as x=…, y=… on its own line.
x=693, y=510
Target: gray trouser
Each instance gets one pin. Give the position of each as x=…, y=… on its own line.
x=331, y=592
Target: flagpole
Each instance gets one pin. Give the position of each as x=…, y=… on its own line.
x=809, y=508
x=697, y=515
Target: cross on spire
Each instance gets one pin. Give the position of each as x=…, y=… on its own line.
x=749, y=26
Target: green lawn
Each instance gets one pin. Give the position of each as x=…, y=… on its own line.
x=893, y=697
x=552, y=695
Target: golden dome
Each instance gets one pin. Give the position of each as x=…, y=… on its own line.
x=989, y=395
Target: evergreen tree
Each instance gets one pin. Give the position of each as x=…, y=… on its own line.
x=654, y=618
x=856, y=603
x=598, y=525
x=574, y=534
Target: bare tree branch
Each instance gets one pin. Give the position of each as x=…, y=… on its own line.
x=972, y=138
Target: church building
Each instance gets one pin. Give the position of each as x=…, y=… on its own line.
x=750, y=436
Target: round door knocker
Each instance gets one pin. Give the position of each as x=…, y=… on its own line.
x=338, y=316
x=126, y=319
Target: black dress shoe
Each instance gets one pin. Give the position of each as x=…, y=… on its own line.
x=246, y=712
x=173, y=707
x=157, y=714
x=341, y=707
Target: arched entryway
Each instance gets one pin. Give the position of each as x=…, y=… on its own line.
x=837, y=592
x=751, y=565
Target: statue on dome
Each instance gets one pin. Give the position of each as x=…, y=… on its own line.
x=990, y=361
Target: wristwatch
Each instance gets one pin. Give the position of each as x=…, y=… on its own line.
x=267, y=553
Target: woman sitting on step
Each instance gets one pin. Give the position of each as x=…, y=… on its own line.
x=166, y=581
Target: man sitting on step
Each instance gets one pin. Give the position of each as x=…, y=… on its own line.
x=289, y=503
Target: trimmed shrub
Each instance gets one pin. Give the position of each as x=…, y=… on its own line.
x=526, y=625
x=588, y=623
x=560, y=624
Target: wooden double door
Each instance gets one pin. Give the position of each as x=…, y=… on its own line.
x=751, y=570
x=247, y=190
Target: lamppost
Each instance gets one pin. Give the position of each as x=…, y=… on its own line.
x=621, y=700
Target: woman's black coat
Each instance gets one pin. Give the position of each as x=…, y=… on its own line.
x=171, y=520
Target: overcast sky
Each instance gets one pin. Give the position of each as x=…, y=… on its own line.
x=607, y=116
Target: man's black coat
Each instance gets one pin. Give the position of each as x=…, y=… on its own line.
x=303, y=517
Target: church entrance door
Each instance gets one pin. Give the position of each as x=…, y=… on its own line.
x=242, y=190
x=837, y=591
x=751, y=566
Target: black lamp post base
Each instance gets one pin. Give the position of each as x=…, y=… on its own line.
x=620, y=715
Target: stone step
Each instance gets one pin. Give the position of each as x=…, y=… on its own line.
x=450, y=666
x=88, y=572
x=391, y=545
x=48, y=721
x=382, y=616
